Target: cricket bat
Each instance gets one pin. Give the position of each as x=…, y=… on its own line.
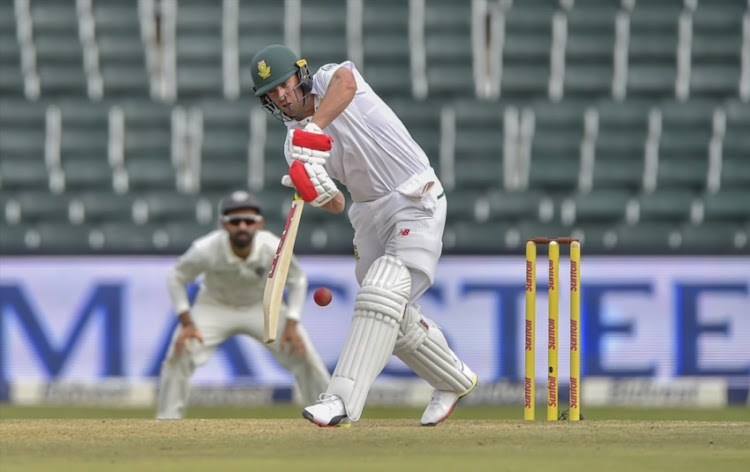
x=273, y=293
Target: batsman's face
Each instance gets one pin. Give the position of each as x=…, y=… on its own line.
x=241, y=226
x=289, y=97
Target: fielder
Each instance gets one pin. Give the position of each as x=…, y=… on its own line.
x=398, y=215
x=234, y=262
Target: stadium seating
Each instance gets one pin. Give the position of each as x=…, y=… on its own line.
x=624, y=123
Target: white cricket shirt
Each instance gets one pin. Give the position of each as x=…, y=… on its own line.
x=229, y=280
x=373, y=153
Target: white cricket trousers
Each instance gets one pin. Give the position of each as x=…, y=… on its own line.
x=216, y=323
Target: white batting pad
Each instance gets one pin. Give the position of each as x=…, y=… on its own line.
x=422, y=346
x=378, y=310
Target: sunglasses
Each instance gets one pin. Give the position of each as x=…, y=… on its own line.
x=235, y=220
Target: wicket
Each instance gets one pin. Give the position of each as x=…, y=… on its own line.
x=552, y=327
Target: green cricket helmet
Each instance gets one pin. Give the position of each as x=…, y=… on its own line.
x=271, y=67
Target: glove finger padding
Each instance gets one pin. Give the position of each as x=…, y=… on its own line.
x=313, y=147
x=313, y=183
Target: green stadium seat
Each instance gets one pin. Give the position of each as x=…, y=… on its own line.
x=476, y=238
x=448, y=49
x=387, y=66
x=147, y=153
x=15, y=239
x=714, y=238
x=526, y=50
x=258, y=27
x=683, y=146
x=122, y=57
x=556, y=147
x=41, y=206
x=653, y=50
x=199, y=50
x=124, y=237
x=462, y=203
x=59, y=54
x=727, y=205
x=479, y=146
x=335, y=236
x=735, y=169
x=63, y=238
x=323, y=33
x=589, y=50
x=716, y=49
x=11, y=78
x=653, y=237
x=99, y=207
x=167, y=206
x=181, y=234
x=666, y=205
x=620, y=145
x=600, y=206
x=514, y=206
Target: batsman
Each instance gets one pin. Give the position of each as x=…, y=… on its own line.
x=340, y=130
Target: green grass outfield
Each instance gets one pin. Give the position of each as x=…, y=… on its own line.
x=59, y=439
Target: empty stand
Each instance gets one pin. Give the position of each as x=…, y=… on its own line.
x=84, y=146
x=479, y=146
x=600, y=206
x=735, y=167
x=259, y=25
x=225, y=142
x=590, y=49
x=199, y=49
x=620, y=145
x=448, y=49
x=652, y=60
x=662, y=169
x=526, y=49
x=122, y=56
x=147, y=146
x=672, y=205
x=22, y=138
x=11, y=76
x=683, y=146
x=323, y=32
x=386, y=48
x=716, y=49
x=555, y=146
x=59, y=52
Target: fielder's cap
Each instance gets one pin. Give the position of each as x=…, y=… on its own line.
x=239, y=200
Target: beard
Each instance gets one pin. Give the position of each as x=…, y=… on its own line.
x=241, y=239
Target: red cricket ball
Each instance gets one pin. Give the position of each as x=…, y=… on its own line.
x=322, y=296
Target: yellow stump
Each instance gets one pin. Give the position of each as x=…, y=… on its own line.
x=552, y=323
x=530, y=350
x=575, y=324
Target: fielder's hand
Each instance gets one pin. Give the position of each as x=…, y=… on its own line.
x=309, y=145
x=187, y=333
x=292, y=341
x=312, y=182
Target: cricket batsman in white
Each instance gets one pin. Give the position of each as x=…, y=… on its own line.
x=339, y=128
x=234, y=261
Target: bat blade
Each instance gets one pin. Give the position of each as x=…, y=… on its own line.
x=273, y=293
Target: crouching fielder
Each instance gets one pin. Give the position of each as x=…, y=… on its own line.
x=234, y=261
x=339, y=129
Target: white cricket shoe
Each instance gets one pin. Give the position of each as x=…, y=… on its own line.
x=443, y=401
x=328, y=412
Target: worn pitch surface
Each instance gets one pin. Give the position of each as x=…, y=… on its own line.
x=477, y=439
